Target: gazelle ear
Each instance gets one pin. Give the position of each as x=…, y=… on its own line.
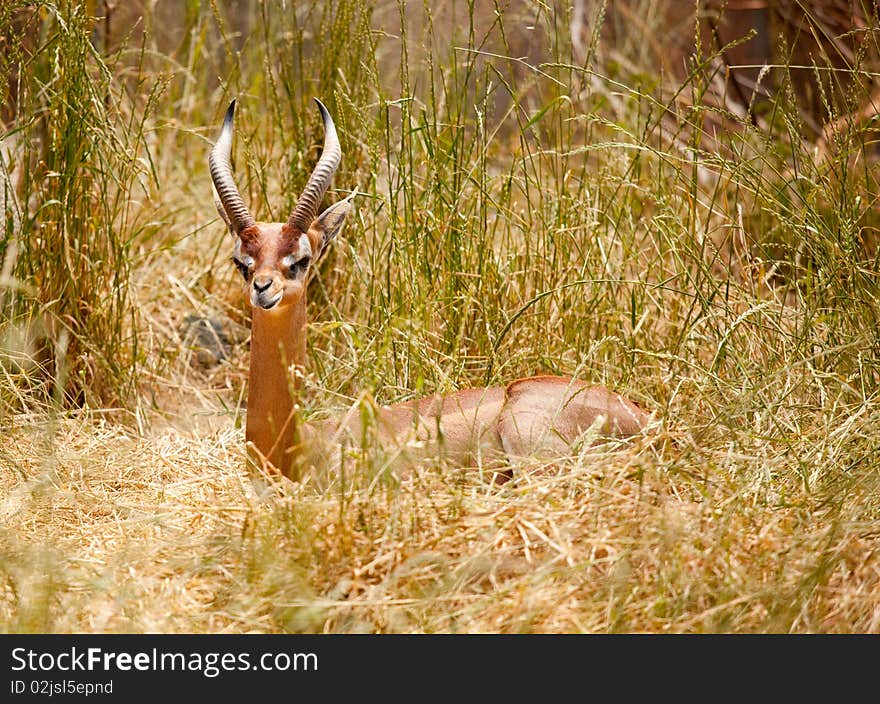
x=329, y=223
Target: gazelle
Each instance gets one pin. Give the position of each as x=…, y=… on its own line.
x=537, y=414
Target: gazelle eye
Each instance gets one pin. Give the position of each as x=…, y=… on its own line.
x=243, y=268
x=298, y=267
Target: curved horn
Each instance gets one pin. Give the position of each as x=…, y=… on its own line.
x=307, y=204
x=221, y=174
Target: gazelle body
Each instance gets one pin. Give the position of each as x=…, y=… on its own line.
x=541, y=414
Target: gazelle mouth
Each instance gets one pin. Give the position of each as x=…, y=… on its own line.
x=269, y=304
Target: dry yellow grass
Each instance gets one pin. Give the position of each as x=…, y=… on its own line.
x=515, y=222
x=108, y=531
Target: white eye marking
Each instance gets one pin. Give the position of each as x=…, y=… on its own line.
x=298, y=263
x=245, y=259
x=296, y=267
x=244, y=265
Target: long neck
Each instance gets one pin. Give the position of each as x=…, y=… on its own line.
x=278, y=346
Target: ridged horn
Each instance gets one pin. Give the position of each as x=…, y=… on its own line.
x=221, y=173
x=307, y=204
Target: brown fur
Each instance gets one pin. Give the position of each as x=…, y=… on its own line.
x=534, y=416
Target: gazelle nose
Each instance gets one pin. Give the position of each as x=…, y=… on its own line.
x=261, y=283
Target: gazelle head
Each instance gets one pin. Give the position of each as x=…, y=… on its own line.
x=275, y=259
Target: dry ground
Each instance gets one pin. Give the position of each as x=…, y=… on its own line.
x=108, y=530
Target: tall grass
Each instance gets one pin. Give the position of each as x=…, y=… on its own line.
x=538, y=197
x=78, y=152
